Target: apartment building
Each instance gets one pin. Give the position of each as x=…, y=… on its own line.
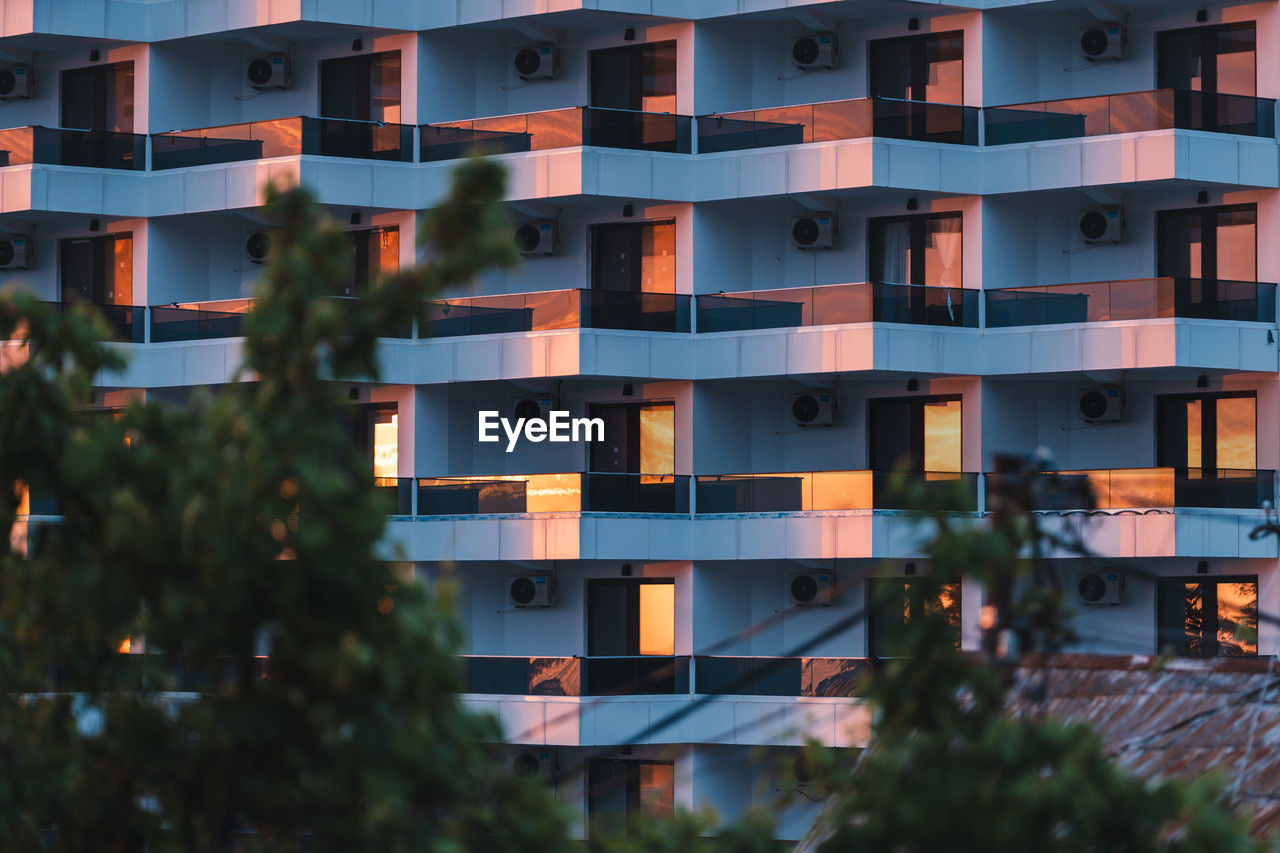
x=781, y=250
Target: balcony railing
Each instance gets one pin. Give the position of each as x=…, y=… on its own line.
x=219, y=318
x=256, y=140
x=56, y=146
x=535, y=493
x=820, y=491
x=1129, y=113
x=832, y=120
x=761, y=676
x=636, y=675
x=838, y=303
x=560, y=309
x=125, y=323
x=567, y=128
x=1137, y=299
x=1145, y=488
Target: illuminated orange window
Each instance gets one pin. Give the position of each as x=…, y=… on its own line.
x=630, y=617
x=1208, y=616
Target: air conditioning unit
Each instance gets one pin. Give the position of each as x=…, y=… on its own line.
x=533, y=407
x=1099, y=588
x=535, y=762
x=537, y=238
x=536, y=61
x=257, y=247
x=813, y=409
x=16, y=81
x=1102, y=42
x=1102, y=405
x=815, y=231
x=814, y=51
x=267, y=72
x=1101, y=225
x=811, y=589
x=15, y=252
x=529, y=590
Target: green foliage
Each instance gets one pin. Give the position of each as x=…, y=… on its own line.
x=239, y=522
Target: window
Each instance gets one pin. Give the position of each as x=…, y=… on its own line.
x=639, y=77
x=1207, y=433
x=97, y=270
x=921, y=433
x=375, y=432
x=631, y=617
x=917, y=249
x=1206, y=617
x=634, y=256
x=622, y=791
x=1208, y=243
x=639, y=438
x=1208, y=59
x=364, y=88
x=919, y=68
x=890, y=607
x=376, y=251
x=98, y=98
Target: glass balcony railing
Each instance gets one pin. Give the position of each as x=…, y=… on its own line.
x=257, y=140
x=819, y=491
x=535, y=493
x=832, y=120
x=56, y=146
x=560, y=309
x=1137, y=299
x=762, y=676
x=1145, y=488
x=218, y=318
x=566, y=128
x=125, y=323
x=838, y=303
x=638, y=675
x=398, y=491
x=1131, y=112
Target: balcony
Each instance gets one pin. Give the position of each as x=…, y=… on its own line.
x=1145, y=488
x=566, y=128
x=658, y=675
x=125, y=323
x=868, y=302
x=560, y=309
x=832, y=120
x=56, y=146
x=1132, y=112
x=218, y=318
x=1136, y=299
x=539, y=493
x=257, y=140
x=822, y=491
x=637, y=675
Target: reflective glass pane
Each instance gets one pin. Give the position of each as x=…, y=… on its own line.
x=942, y=251
x=1237, y=628
x=657, y=619
x=657, y=439
x=942, y=436
x=1237, y=433
x=658, y=258
x=386, y=445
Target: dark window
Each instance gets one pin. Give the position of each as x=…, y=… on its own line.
x=364, y=87
x=923, y=249
x=628, y=617
x=1208, y=59
x=923, y=434
x=634, y=256
x=622, y=791
x=376, y=252
x=1205, y=617
x=636, y=77
x=919, y=68
x=1207, y=432
x=639, y=438
x=890, y=607
x=1208, y=243
x=98, y=270
x=98, y=98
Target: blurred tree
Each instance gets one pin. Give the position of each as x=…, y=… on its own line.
x=241, y=523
